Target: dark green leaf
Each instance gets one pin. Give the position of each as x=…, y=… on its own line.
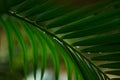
x=81, y=13
x=38, y=9
x=80, y=24
x=51, y=13
x=115, y=65
x=114, y=72
x=109, y=57
x=103, y=48
x=27, y=5
x=99, y=28
x=115, y=79
x=99, y=40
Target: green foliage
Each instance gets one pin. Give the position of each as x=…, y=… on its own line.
x=93, y=26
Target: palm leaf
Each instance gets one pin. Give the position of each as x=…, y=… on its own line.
x=92, y=25
x=74, y=57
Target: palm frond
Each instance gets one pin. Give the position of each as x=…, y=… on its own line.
x=91, y=25
x=68, y=53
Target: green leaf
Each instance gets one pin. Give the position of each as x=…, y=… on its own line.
x=103, y=48
x=80, y=24
x=98, y=28
x=43, y=51
x=99, y=19
x=27, y=4
x=83, y=64
x=81, y=13
x=19, y=37
x=14, y=2
x=99, y=40
x=109, y=57
x=67, y=60
x=115, y=79
x=114, y=72
x=51, y=13
x=115, y=65
x=33, y=44
x=3, y=3
x=54, y=56
x=10, y=40
x=37, y=9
